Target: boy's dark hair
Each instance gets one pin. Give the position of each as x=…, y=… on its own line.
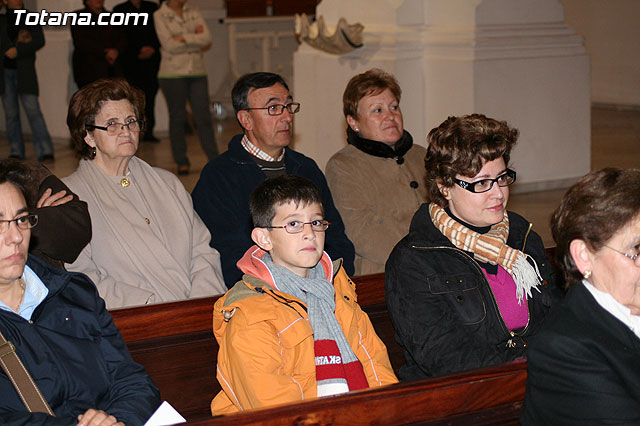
x=256, y=80
x=279, y=190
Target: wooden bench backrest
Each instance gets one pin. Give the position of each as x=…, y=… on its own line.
x=481, y=397
x=175, y=343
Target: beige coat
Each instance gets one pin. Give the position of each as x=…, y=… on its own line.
x=376, y=201
x=148, y=245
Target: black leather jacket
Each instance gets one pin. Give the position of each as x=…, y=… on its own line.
x=443, y=310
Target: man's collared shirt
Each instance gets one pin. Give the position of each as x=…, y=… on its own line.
x=34, y=293
x=257, y=152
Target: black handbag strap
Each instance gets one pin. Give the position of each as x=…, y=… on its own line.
x=21, y=379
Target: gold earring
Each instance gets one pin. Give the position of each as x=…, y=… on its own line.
x=586, y=275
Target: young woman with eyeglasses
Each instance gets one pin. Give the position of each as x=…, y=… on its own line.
x=470, y=283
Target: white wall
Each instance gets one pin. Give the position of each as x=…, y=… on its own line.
x=611, y=30
x=513, y=60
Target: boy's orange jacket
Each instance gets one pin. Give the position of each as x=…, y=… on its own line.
x=266, y=354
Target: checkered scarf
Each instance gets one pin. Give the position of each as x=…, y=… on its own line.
x=491, y=248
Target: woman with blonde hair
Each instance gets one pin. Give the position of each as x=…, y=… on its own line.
x=378, y=179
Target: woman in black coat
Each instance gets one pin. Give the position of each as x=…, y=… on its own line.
x=470, y=283
x=584, y=365
x=62, y=333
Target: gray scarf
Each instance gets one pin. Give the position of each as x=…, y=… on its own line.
x=319, y=296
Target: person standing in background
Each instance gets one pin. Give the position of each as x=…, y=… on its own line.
x=183, y=36
x=18, y=79
x=141, y=59
x=97, y=48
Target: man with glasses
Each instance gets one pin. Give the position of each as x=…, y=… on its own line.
x=264, y=108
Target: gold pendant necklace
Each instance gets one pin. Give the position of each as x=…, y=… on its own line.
x=23, y=286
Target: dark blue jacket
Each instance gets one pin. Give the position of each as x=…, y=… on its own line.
x=221, y=198
x=76, y=355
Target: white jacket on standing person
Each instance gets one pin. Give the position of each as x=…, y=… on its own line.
x=181, y=58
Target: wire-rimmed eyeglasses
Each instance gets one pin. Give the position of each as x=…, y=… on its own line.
x=296, y=226
x=634, y=257
x=113, y=128
x=22, y=222
x=278, y=109
x=484, y=185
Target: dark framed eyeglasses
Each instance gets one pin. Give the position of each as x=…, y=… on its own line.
x=22, y=222
x=296, y=226
x=113, y=129
x=484, y=185
x=278, y=109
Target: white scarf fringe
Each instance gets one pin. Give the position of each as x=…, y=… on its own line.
x=526, y=277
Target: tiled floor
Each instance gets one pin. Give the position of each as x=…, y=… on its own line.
x=615, y=137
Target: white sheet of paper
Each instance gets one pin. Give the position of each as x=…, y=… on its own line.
x=165, y=415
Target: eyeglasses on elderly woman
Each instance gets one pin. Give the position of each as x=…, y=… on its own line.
x=484, y=185
x=113, y=127
x=635, y=257
x=22, y=222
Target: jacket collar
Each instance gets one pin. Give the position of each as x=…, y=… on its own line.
x=54, y=279
x=380, y=149
x=595, y=317
x=251, y=264
x=422, y=229
x=239, y=155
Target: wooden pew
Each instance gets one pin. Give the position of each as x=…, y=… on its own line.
x=491, y=396
x=175, y=343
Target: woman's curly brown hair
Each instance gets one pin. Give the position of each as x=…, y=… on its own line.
x=462, y=146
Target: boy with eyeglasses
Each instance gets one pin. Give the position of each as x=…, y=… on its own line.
x=291, y=329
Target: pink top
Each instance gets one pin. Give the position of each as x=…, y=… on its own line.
x=504, y=290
